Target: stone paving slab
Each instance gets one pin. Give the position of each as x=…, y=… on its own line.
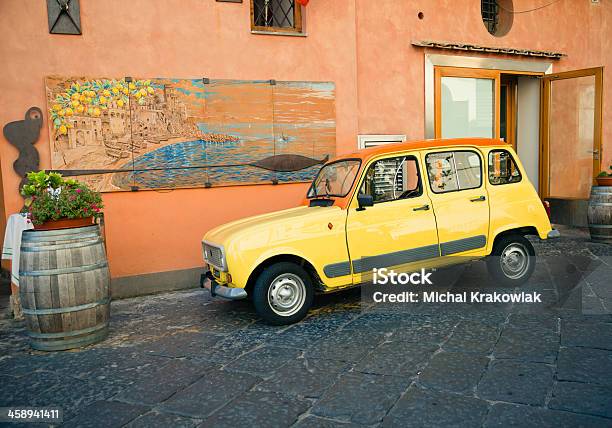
x=156, y=419
x=259, y=409
x=264, y=361
x=424, y=408
x=184, y=359
x=453, y=371
x=505, y=415
x=516, y=382
x=113, y=413
x=582, y=398
x=361, y=398
x=213, y=391
x=397, y=358
x=591, y=335
x=176, y=374
x=585, y=365
x=474, y=337
x=306, y=377
x=539, y=345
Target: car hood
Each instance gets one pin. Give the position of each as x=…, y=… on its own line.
x=278, y=221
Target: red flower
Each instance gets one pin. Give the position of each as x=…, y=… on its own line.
x=78, y=190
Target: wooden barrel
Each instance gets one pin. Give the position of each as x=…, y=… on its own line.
x=599, y=214
x=64, y=287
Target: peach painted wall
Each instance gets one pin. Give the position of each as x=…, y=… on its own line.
x=391, y=70
x=153, y=231
x=361, y=45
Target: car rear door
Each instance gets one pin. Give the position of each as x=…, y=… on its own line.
x=460, y=200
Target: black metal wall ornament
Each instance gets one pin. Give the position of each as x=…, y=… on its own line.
x=23, y=134
x=64, y=16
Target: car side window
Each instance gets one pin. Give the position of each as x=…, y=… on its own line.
x=503, y=168
x=452, y=171
x=392, y=179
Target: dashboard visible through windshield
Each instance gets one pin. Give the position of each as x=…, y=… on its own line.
x=335, y=179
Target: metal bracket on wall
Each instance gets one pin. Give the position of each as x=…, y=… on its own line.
x=64, y=16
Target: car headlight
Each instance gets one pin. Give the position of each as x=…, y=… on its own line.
x=214, y=255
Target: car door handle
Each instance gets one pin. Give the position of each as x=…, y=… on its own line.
x=478, y=199
x=421, y=208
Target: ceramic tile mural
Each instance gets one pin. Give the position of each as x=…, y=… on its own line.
x=175, y=133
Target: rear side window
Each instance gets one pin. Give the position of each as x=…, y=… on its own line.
x=392, y=179
x=503, y=168
x=453, y=171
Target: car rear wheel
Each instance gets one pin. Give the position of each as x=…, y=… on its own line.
x=283, y=293
x=512, y=261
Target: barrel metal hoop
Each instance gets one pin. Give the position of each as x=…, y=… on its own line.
x=600, y=226
x=39, y=239
x=38, y=249
x=60, y=345
x=63, y=271
x=59, y=232
x=600, y=204
x=72, y=333
x=603, y=237
x=52, y=311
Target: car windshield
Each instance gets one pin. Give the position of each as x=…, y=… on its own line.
x=335, y=179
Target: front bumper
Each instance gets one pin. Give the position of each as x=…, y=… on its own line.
x=209, y=282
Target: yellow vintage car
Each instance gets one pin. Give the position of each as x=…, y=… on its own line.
x=404, y=206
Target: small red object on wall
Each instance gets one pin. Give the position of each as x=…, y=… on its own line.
x=303, y=2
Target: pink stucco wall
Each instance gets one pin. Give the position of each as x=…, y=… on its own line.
x=361, y=45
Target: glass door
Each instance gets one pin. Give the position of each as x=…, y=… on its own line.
x=466, y=103
x=571, y=133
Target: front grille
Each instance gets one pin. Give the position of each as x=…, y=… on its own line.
x=213, y=255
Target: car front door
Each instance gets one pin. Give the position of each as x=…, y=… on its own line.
x=460, y=200
x=399, y=230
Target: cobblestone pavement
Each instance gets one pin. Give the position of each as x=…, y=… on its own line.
x=183, y=359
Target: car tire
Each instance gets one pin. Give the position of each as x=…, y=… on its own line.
x=283, y=293
x=512, y=260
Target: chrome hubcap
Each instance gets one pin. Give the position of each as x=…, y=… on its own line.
x=286, y=294
x=514, y=260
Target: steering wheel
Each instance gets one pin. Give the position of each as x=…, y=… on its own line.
x=409, y=194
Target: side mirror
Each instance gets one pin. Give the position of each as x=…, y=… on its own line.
x=365, y=201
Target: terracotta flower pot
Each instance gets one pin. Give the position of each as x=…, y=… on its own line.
x=65, y=223
x=604, y=181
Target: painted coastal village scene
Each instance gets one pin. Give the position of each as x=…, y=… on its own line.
x=127, y=134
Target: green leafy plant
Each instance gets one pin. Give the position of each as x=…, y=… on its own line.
x=51, y=197
x=606, y=174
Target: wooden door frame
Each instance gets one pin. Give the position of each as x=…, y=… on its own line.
x=545, y=116
x=511, y=110
x=477, y=73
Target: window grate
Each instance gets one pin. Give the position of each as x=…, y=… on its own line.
x=274, y=13
x=490, y=14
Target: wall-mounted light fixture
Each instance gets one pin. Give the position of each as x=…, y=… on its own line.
x=64, y=16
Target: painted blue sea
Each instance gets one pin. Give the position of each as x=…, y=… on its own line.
x=181, y=164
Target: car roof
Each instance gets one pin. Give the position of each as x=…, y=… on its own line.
x=371, y=152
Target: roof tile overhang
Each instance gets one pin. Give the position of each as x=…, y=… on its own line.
x=486, y=49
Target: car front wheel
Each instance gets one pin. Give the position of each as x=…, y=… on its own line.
x=283, y=293
x=512, y=261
